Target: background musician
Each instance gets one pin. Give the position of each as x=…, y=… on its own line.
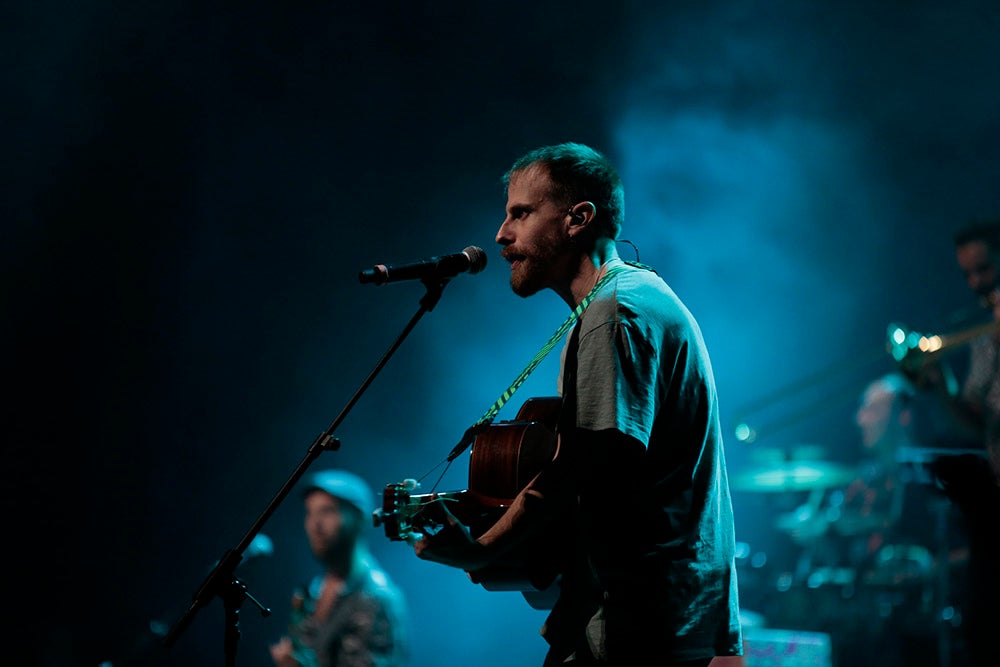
x=351, y=614
x=971, y=481
x=868, y=544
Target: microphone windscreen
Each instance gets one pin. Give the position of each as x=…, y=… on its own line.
x=260, y=545
x=477, y=258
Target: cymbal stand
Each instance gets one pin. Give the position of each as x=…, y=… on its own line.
x=942, y=587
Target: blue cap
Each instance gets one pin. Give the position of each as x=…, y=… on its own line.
x=342, y=485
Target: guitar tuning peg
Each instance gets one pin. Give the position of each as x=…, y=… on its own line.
x=410, y=484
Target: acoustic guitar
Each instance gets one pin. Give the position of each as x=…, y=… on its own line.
x=504, y=458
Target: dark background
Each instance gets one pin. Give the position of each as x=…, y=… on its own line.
x=192, y=188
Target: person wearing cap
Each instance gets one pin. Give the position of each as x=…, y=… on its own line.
x=350, y=615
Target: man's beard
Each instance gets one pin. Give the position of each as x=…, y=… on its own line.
x=525, y=279
x=336, y=549
x=533, y=273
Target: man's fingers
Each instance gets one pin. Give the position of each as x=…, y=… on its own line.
x=451, y=518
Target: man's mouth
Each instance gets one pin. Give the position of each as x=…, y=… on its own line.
x=513, y=258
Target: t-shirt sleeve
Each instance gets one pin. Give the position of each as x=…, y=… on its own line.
x=616, y=380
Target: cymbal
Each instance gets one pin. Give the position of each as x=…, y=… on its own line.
x=802, y=475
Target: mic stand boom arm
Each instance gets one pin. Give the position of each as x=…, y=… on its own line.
x=222, y=580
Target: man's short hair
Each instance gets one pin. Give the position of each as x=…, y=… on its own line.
x=898, y=385
x=984, y=231
x=580, y=173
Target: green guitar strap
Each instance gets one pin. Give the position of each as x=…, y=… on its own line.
x=560, y=333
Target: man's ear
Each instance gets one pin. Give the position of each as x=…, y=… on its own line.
x=582, y=213
x=580, y=217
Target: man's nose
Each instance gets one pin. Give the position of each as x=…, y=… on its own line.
x=503, y=234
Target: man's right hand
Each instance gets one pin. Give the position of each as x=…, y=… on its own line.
x=283, y=653
x=926, y=375
x=934, y=375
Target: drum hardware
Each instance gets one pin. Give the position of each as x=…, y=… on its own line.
x=901, y=565
x=844, y=577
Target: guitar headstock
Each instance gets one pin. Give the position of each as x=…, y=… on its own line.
x=406, y=517
x=392, y=516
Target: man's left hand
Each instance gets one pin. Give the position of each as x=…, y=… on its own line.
x=453, y=545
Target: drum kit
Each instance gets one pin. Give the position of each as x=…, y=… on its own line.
x=835, y=557
x=838, y=558
x=843, y=572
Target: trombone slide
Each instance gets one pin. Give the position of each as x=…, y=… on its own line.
x=914, y=350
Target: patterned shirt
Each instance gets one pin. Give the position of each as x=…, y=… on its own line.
x=365, y=628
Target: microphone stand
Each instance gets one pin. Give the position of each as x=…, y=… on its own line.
x=222, y=581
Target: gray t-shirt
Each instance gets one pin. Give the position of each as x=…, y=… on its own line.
x=659, y=531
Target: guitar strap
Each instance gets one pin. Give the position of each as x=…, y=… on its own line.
x=470, y=433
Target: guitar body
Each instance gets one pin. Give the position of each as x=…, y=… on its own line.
x=505, y=457
x=508, y=454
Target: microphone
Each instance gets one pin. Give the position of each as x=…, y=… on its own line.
x=260, y=545
x=472, y=259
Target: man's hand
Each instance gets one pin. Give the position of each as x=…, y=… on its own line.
x=925, y=374
x=283, y=653
x=932, y=375
x=453, y=545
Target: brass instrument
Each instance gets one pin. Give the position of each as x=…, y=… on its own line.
x=914, y=351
